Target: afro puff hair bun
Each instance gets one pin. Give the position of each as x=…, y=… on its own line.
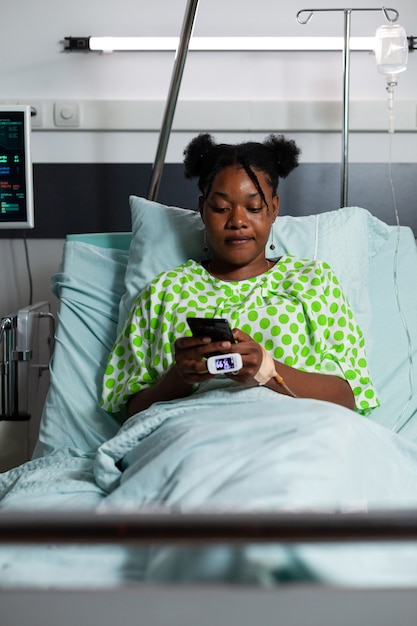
x=276, y=156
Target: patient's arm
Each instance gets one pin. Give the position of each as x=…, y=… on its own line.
x=312, y=385
x=188, y=370
x=169, y=387
x=302, y=384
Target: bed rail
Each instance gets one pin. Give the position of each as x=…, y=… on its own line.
x=26, y=345
x=206, y=528
x=17, y=331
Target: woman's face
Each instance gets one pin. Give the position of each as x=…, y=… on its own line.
x=237, y=220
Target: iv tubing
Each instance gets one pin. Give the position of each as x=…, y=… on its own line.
x=281, y=382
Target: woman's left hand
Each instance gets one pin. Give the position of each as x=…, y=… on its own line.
x=252, y=355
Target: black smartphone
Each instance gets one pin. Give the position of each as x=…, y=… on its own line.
x=217, y=328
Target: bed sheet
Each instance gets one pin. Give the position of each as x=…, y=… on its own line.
x=259, y=452
x=232, y=449
x=393, y=358
x=239, y=448
x=89, y=285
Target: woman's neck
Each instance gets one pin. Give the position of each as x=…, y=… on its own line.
x=238, y=273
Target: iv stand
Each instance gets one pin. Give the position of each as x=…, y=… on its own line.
x=346, y=79
x=180, y=58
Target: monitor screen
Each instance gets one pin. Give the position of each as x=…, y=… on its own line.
x=16, y=181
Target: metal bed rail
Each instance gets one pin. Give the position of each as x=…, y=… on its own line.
x=26, y=346
x=145, y=527
x=18, y=357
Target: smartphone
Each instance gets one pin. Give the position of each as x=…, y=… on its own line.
x=217, y=328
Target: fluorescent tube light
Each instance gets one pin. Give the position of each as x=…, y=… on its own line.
x=113, y=44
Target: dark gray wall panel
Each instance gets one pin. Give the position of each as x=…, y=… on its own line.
x=74, y=198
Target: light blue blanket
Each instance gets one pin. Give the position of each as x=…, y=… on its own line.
x=252, y=449
x=224, y=450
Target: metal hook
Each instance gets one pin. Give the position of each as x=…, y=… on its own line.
x=308, y=18
x=386, y=11
x=387, y=17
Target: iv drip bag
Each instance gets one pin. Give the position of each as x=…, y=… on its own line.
x=391, y=49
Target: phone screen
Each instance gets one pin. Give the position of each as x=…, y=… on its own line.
x=216, y=328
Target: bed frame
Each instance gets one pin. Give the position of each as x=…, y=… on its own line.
x=210, y=606
x=236, y=605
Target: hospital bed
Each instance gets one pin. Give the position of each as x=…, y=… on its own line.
x=196, y=517
x=234, y=506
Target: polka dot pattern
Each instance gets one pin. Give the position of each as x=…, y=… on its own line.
x=296, y=310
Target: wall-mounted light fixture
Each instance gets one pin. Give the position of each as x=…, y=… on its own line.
x=142, y=44
x=222, y=44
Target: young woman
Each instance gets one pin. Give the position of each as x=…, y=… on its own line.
x=292, y=325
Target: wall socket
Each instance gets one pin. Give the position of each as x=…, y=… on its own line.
x=36, y=117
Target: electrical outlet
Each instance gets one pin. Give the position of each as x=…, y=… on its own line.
x=67, y=114
x=36, y=114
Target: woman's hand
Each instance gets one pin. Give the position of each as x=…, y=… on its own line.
x=297, y=382
x=189, y=368
x=252, y=355
x=190, y=354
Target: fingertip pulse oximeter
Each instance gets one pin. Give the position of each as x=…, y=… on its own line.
x=224, y=363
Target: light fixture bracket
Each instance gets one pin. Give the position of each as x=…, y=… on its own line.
x=77, y=44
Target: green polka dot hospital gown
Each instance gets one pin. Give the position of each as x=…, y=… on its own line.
x=296, y=310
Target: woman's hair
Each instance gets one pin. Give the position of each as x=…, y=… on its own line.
x=276, y=157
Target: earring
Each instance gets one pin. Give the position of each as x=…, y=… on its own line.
x=272, y=244
x=205, y=246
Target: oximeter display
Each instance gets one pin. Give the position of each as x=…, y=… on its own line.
x=224, y=363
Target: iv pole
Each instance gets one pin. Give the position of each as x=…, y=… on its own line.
x=346, y=80
x=180, y=58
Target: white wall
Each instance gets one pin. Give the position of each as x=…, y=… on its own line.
x=34, y=67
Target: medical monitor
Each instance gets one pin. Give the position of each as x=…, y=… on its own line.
x=16, y=180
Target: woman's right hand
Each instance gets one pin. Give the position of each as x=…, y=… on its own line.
x=190, y=355
x=189, y=368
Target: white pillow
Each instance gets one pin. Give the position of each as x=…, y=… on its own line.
x=164, y=236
